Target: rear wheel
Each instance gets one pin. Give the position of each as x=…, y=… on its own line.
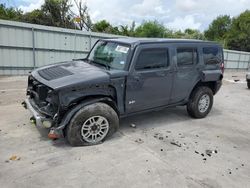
x=92, y=124
x=200, y=102
x=248, y=84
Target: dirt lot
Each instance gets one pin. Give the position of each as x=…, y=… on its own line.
x=144, y=156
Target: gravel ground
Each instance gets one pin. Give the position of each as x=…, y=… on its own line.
x=161, y=149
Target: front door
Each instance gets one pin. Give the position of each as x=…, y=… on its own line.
x=150, y=80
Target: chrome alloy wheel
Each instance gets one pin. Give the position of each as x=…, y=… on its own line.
x=204, y=103
x=94, y=129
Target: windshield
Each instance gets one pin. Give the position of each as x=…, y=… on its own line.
x=109, y=54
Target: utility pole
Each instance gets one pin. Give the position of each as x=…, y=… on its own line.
x=80, y=13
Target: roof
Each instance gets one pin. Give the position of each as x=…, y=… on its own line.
x=131, y=40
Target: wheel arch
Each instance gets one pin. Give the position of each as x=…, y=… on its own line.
x=213, y=85
x=84, y=102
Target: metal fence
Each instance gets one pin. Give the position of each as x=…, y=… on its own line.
x=236, y=59
x=26, y=46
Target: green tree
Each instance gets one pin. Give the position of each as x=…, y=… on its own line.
x=126, y=30
x=178, y=34
x=52, y=13
x=218, y=28
x=194, y=34
x=150, y=29
x=10, y=13
x=238, y=37
x=37, y=17
x=104, y=26
x=101, y=26
x=58, y=13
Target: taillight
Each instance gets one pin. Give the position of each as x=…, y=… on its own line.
x=222, y=67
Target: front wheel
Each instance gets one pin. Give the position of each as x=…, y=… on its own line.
x=200, y=102
x=248, y=84
x=92, y=124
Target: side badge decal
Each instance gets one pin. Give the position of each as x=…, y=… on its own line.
x=131, y=102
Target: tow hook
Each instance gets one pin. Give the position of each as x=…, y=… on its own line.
x=53, y=134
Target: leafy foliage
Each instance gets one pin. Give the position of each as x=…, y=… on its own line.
x=37, y=17
x=10, y=13
x=57, y=12
x=238, y=37
x=52, y=13
x=146, y=29
x=104, y=27
x=218, y=28
x=194, y=34
x=233, y=33
x=150, y=29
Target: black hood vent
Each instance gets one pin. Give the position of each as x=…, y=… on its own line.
x=53, y=73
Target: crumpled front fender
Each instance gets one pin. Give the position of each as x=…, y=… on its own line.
x=67, y=117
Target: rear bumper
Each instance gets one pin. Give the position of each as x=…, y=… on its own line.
x=218, y=86
x=248, y=77
x=40, y=120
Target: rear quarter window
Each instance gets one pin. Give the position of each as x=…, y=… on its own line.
x=212, y=55
x=186, y=56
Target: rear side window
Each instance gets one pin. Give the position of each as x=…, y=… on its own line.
x=152, y=59
x=186, y=56
x=212, y=55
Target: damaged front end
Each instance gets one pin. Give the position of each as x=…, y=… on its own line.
x=42, y=102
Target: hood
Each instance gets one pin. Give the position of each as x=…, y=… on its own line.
x=70, y=74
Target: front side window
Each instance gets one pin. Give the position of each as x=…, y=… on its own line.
x=212, y=55
x=152, y=59
x=186, y=56
x=109, y=54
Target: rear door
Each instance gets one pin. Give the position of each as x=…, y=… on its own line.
x=150, y=79
x=188, y=71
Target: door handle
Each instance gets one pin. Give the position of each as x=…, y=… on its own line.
x=137, y=77
x=198, y=68
x=161, y=73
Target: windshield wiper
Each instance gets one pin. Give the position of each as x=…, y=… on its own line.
x=104, y=65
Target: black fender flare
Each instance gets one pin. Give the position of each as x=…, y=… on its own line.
x=67, y=117
x=208, y=76
x=211, y=75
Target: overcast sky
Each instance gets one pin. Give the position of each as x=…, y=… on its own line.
x=178, y=14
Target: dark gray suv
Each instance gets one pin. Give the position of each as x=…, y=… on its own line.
x=84, y=99
x=248, y=78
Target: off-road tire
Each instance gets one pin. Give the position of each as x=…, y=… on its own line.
x=248, y=84
x=192, y=105
x=73, y=130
